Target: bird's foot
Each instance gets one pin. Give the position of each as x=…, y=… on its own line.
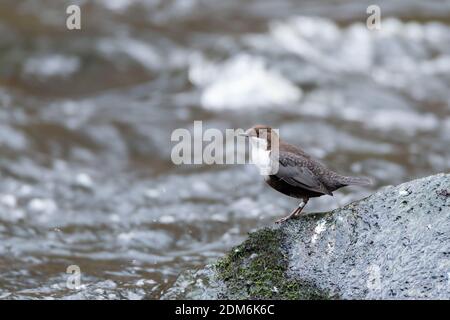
x=291, y=216
x=298, y=214
x=283, y=219
x=294, y=214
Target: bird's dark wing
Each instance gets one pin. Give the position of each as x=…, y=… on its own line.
x=294, y=171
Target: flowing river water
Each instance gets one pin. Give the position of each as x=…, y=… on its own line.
x=86, y=118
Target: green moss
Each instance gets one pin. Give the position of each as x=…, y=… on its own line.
x=256, y=269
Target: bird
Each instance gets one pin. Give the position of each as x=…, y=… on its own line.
x=290, y=170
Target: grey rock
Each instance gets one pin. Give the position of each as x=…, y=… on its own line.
x=394, y=244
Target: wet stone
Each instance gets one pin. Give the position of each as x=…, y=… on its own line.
x=354, y=252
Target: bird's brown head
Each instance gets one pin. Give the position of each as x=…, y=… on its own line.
x=263, y=132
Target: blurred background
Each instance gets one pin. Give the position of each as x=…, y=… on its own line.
x=86, y=118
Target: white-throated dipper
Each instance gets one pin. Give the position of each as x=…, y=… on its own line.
x=294, y=172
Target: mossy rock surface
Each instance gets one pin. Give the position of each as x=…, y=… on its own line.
x=257, y=268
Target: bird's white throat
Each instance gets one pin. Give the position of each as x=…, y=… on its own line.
x=260, y=155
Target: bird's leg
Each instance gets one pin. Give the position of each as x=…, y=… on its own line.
x=301, y=206
x=290, y=216
x=294, y=213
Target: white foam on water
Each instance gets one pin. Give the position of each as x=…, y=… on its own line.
x=409, y=57
x=240, y=82
x=12, y=138
x=84, y=180
x=137, y=50
x=8, y=200
x=53, y=65
x=117, y=5
x=397, y=55
x=406, y=121
x=42, y=205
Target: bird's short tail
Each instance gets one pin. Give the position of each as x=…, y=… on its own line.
x=357, y=181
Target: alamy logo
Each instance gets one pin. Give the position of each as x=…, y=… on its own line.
x=213, y=146
x=74, y=278
x=373, y=22
x=73, y=21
